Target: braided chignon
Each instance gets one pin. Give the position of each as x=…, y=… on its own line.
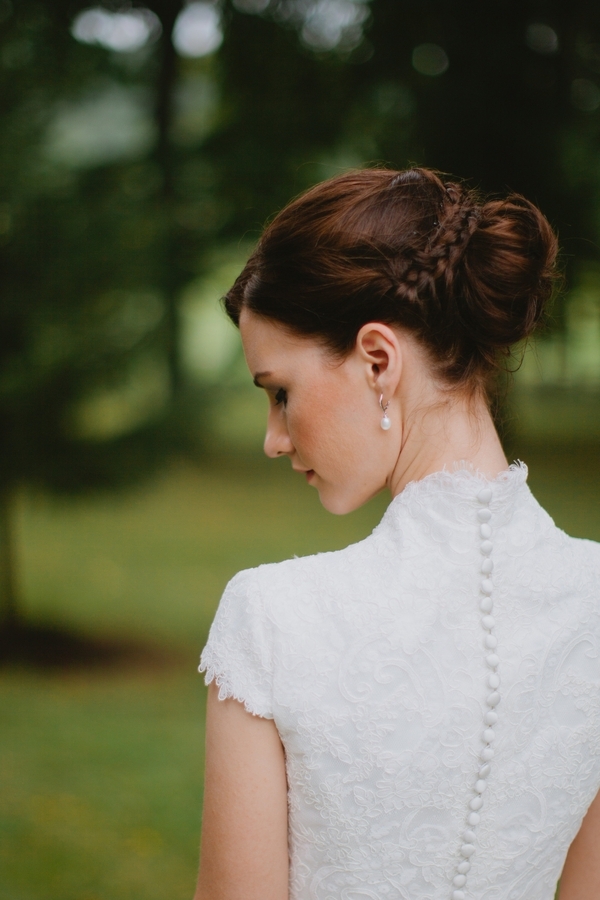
x=468, y=277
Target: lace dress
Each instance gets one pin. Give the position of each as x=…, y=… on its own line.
x=436, y=688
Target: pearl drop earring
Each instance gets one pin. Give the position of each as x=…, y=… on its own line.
x=385, y=422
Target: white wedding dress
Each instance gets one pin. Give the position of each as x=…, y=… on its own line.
x=437, y=691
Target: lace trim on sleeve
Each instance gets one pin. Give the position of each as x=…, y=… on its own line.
x=238, y=653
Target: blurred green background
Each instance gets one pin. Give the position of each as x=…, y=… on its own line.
x=142, y=148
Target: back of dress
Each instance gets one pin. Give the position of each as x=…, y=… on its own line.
x=437, y=691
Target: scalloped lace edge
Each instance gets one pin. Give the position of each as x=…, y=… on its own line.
x=227, y=692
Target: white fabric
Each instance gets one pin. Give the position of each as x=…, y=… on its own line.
x=371, y=661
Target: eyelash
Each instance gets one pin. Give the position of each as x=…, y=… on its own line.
x=281, y=397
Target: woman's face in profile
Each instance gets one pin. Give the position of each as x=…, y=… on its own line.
x=323, y=413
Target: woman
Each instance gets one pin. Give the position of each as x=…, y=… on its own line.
x=418, y=715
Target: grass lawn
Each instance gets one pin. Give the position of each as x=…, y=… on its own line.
x=101, y=771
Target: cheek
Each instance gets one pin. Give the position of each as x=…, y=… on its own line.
x=333, y=432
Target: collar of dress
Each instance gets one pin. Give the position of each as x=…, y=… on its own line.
x=449, y=499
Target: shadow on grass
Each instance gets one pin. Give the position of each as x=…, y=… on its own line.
x=48, y=646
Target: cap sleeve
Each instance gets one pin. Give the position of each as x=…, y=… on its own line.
x=238, y=651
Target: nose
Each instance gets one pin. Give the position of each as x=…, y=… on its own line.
x=277, y=439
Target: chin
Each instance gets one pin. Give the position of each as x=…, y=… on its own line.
x=340, y=504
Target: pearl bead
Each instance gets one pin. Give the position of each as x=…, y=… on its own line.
x=480, y=786
x=459, y=880
x=486, y=585
x=492, y=660
x=487, y=566
x=469, y=836
x=385, y=423
x=486, y=604
x=493, y=681
x=487, y=753
x=488, y=622
x=485, y=770
x=484, y=515
x=467, y=850
x=490, y=642
x=485, y=531
x=475, y=804
x=490, y=717
x=486, y=547
x=458, y=895
x=485, y=495
x=473, y=819
x=488, y=735
x=493, y=699
x=464, y=866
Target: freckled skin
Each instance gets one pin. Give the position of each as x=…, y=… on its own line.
x=329, y=424
x=330, y=421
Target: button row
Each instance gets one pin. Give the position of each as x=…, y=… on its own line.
x=490, y=717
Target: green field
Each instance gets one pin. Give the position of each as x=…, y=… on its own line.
x=101, y=769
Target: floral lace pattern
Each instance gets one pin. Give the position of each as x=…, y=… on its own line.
x=372, y=663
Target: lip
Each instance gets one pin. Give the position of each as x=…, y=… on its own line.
x=307, y=472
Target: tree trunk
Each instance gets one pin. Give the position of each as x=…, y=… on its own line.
x=8, y=591
x=167, y=75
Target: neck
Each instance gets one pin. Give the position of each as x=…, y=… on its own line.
x=436, y=437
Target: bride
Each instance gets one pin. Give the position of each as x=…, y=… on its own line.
x=416, y=717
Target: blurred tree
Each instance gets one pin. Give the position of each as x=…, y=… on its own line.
x=505, y=94
x=87, y=359
x=121, y=167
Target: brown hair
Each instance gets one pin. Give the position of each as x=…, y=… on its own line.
x=468, y=278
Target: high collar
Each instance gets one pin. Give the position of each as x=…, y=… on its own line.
x=444, y=504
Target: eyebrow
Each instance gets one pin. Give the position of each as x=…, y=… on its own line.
x=260, y=375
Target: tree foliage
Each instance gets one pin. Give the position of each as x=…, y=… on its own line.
x=95, y=249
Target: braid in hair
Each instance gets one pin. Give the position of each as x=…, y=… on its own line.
x=467, y=278
x=425, y=267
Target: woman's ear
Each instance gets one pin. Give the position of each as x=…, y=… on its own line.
x=379, y=349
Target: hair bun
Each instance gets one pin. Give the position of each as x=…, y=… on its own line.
x=467, y=278
x=507, y=273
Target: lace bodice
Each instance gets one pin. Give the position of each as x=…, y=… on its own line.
x=436, y=688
